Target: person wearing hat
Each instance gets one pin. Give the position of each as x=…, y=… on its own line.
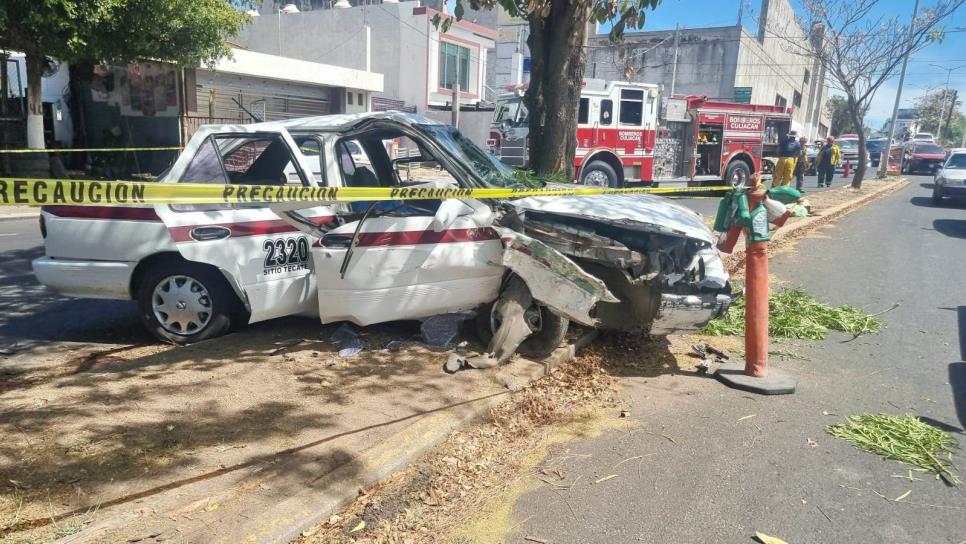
x=801, y=164
x=827, y=159
x=788, y=151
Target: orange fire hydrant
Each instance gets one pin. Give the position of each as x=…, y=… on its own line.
x=743, y=212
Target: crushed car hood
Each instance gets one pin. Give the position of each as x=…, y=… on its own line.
x=657, y=213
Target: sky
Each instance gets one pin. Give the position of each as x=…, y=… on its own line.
x=920, y=75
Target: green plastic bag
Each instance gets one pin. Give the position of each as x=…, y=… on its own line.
x=785, y=194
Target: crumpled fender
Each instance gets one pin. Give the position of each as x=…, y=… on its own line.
x=553, y=279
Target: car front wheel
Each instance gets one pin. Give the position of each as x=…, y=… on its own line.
x=549, y=330
x=183, y=302
x=937, y=195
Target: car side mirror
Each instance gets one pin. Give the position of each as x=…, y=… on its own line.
x=446, y=214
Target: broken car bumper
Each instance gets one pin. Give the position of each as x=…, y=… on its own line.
x=683, y=313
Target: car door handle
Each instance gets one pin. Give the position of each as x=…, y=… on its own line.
x=337, y=241
x=204, y=234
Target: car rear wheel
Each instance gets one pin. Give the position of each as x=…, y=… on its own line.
x=549, y=330
x=183, y=302
x=737, y=174
x=600, y=174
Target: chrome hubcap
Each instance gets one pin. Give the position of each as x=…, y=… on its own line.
x=181, y=305
x=596, y=178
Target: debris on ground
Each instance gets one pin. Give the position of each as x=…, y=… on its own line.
x=441, y=330
x=284, y=346
x=344, y=333
x=709, y=356
x=459, y=478
x=352, y=347
x=766, y=539
x=906, y=438
x=793, y=313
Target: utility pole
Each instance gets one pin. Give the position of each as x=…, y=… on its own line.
x=674, y=69
x=942, y=110
x=884, y=164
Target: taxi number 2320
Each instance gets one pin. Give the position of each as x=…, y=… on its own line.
x=286, y=254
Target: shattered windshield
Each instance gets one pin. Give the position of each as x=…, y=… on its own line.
x=488, y=168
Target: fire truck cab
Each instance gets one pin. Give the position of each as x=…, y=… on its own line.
x=626, y=133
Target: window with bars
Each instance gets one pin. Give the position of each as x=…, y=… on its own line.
x=454, y=60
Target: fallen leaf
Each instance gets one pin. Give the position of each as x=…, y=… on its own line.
x=765, y=539
x=900, y=497
x=359, y=526
x=212, y=507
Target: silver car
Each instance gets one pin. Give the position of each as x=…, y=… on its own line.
x=950, y=179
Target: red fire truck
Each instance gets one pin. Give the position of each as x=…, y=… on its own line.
x=625, y=132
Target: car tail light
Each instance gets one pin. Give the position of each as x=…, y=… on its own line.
x=43, y=226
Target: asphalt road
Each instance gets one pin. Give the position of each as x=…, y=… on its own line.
x=32, y=316
x=740, y=463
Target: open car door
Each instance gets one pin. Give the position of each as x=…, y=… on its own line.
x=264, y=258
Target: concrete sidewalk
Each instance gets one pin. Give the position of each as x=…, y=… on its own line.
x=18, y=212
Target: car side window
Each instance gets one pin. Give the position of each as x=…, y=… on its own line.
x=244, y=159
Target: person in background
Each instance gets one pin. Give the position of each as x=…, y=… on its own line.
x=825, y=162
x=788, y=151
x=801, y=164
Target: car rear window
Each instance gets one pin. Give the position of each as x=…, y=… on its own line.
x=928, y=148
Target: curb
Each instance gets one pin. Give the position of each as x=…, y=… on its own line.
x=17, y=216
x=734, y=261
x=286, y=521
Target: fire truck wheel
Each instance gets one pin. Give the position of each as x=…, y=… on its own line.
x=600, y=174
x=737, y=174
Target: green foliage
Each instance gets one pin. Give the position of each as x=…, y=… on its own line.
x=185, y=32
x=528, y=178
x=904, y=438
x=838, y=110
x=933, y=104
x=793, y=313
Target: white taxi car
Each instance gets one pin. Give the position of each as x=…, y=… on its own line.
x=636, y=263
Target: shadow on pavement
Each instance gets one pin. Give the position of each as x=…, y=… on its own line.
x=32, y=315
x=957, y=381
x=922, y=201
x=954, y=228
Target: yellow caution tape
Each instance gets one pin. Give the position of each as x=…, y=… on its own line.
x=39, y=192
x=92, y=149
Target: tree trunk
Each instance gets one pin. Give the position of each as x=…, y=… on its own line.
x=857, y=120
x=35, y=105
x=556, y=78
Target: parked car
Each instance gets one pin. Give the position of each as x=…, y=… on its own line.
x=922, y=157
x=621, y=262
x=874, y=148
x=950, y=180
x=923, y=137
x=850, y=150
